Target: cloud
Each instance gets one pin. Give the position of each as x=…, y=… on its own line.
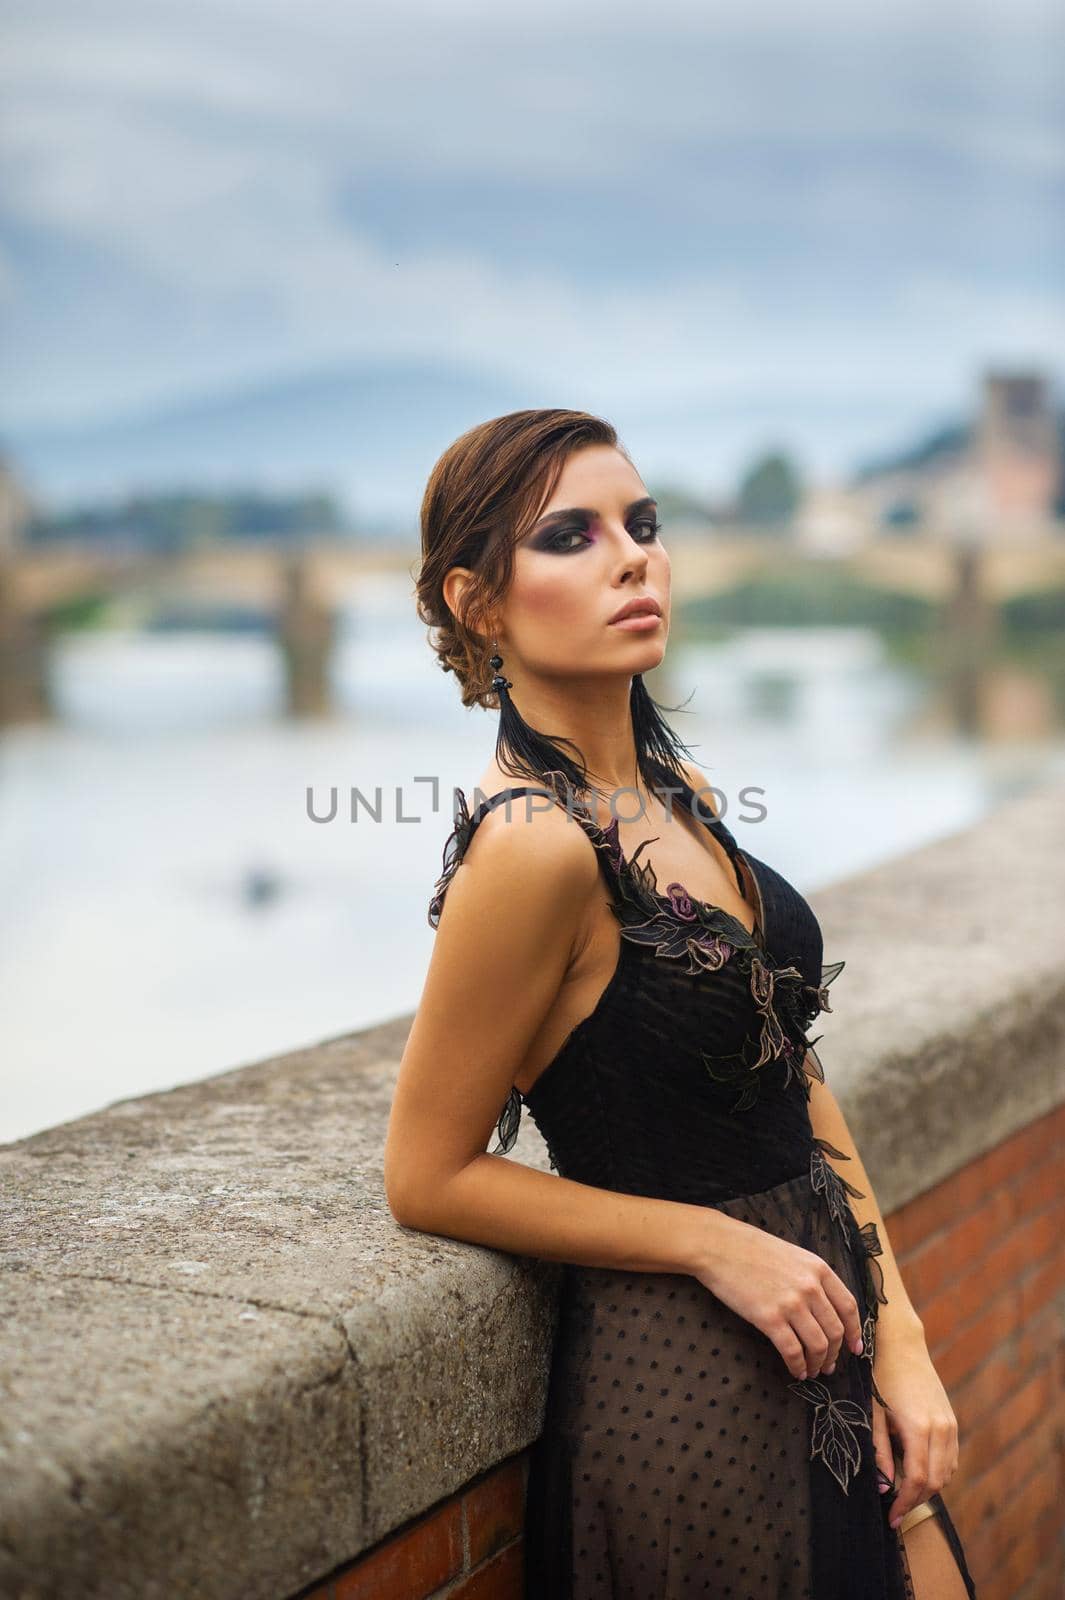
x=831, y=204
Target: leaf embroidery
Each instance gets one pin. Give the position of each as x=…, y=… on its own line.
x=832, y=1435
x=454, y=850
x=509, y=1122
x=826, y=1180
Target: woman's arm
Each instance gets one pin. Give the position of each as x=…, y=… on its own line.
x=514, y=917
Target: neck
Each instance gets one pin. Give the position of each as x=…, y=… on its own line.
x=595, y=713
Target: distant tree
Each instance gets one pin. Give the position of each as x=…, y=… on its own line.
x=770, y=491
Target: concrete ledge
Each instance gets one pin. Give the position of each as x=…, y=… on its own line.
x=226, y=1369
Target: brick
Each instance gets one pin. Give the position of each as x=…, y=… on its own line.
x=495, y=1511
x=1042, y=1285
x=966, y=1190
x=1039, y=1188
x=501, y=1579
x=1033, y=1451
x=953, y=1252
x=1008, y=1262
x=1022, y=1410
x=968, y=1348
x=410, y=1565
x=1040, y=1335
x=1035, y=1497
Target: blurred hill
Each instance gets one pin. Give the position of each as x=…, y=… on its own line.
x=358, y=431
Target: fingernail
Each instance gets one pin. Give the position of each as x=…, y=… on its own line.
x=894, y=1521
x=884, y=1487
x=832, y=1368
x=858, y=1348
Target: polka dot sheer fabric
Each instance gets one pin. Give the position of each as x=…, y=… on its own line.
x=678, y=1456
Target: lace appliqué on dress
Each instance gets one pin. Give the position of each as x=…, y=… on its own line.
x=832, y=1434
x=454, y=850
x=678, y=927
x=833, y=1438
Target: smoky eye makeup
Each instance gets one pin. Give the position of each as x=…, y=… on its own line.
x=565, y=531
x=569, y=532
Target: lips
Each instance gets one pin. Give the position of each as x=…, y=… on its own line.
x=645, y=607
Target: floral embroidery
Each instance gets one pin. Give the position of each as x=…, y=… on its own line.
x=827, y=1181
x=509, y=1121
x=704, y=936
x=861, y=1241
x=871, y=1247
x=454, y=850
x=833, y=1437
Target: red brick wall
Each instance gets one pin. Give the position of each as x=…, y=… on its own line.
x=468, y=1548
x=983, y=1259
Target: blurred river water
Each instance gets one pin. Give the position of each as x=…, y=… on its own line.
x=170, y=910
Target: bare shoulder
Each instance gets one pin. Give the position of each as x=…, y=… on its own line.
x=528, y=861
x=532, y=838
x=701, y=784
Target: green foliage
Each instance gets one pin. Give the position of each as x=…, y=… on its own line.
x=812, y=593
x=80, y=611
x=769, y=491
x=1042, y=610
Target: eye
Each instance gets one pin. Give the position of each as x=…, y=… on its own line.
x=566, y=533
x=653, y=529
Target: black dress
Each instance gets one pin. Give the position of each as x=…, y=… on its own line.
x=678, y=1457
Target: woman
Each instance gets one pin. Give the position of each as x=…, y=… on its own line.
x=718, y=1420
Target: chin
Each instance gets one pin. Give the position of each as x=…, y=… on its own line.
x=646, y=654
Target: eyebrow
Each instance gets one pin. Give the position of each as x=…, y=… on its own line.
x=646, y=504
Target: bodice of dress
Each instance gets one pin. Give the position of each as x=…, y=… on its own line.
x=690, y=1078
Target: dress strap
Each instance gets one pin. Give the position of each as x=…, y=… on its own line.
x=466, y=825
x=497, y=799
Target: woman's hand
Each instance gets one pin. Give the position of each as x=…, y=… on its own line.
x=792, y=1295
x=920, y=1418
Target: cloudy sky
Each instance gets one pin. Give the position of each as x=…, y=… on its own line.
x=834, y=212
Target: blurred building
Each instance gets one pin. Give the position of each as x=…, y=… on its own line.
x=1018, y=447
x=995, y=479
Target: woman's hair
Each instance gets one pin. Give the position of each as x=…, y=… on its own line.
x=481, y=499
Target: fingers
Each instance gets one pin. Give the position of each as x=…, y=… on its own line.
x=930, y=1459
x=820, y=1332
x=791, y=1349
x=914, y=1485
x=885, y=1460
x=825, y=1314
x=846, y=1308
x=942, y=1452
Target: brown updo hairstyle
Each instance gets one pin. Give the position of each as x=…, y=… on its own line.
x=482, y=498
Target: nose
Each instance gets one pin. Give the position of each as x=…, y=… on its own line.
x=633, y=558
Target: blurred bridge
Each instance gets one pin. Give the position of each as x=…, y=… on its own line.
x=302, y=585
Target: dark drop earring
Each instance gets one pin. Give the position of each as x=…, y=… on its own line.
x=521, y=749
x=499, y=683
